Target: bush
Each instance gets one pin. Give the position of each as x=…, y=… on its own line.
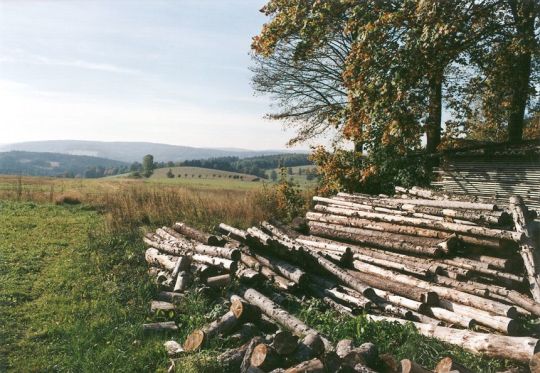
x=68, y=199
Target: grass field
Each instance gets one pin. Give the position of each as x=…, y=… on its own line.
x=75, y=292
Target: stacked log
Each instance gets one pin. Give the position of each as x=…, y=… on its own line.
x=461, y=270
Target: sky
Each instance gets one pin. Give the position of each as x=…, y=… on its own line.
x=173, y=72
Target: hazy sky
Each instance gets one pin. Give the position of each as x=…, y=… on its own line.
x=163, y=71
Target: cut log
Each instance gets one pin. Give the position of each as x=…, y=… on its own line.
x=223, y=326
x=197, y=235
x=265, y=357
x=309, y=366
x=227, y=264
x=450, y=317
x=232, y=359
x=409, y=366
x=534, y=363
x=278, y=280
x=246, y=362
x=387, y=242
x=173, y=348
x=405, y=290
x=221, y=252
x=160, y=306
x=426, y=223
x=154, y=257
x=448, y=365
x=528, y=252
x=182, y=264
x=311, y=346
x=390, y=363
x=287, y=270
x=492, y=345
x=450, y=294
x=278, y=314
x=160, y=326
x=500, y=323
x=218, y=281
x=170, y=296
x=236, y=233
x=284, y=342
x=248, y=275
x=343, y=347
x=183, y=281
x=250, y=262
x=243, y=310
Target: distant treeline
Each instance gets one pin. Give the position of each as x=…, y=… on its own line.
x=253, y=166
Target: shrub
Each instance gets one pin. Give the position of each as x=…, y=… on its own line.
x=68, y=199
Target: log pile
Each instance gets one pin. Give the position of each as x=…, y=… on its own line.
x=459, y=270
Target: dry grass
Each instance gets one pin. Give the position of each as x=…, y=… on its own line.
x=134, y=203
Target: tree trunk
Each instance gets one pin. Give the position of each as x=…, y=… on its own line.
x=433, y=120
x=284, y=342
x=265, y=357
x=202, y=237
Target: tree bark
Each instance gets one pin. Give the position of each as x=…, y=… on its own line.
x=284, y=342
x=265, y=357
x=197, y=235
x=218, y=281
x=492, y=345
x=160, y=326
x=528, y=252
x=434, y=117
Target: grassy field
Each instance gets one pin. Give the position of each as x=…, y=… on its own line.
x=75, y=292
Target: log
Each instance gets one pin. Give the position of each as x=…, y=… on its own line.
x=250, y=262
x=340, y=274
x=426, y=223
x=173, y=348
x=450, y=317
x=448, y=365
x=534, y=363
x=405, y=290
x=227, y=264
x=203, y=271
x=387, y=242
x=311, y=346
x=218, y=281
x=170, y=296
x=280, y=281
x=344, y=310
x=343, y=347
x=284, y=342
x=160, y=326
x=500, y=323
x=308, y=366
x=183, y=280
x=222, y=326
x=409, y=366
x=221, y=252
x=492, y=345
x=401, y=301
x=366, y=354
x=504, y=264
x=244, y=311
x=246, y=362
x=477, y=267
x=265, y=357
x=197, y=235
x=157, y=306
x=236, y=233
x=450, y=294
x=287, y=270
x=164, y=246
x=389, y=362
x=527, y=250
x=231, y=359
x=153, y=257
x=248, y=275
x=182, y=264
x=356, y=301
x=278, y=314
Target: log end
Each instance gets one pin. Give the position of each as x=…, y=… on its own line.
x=237, y=308
x=194, y=341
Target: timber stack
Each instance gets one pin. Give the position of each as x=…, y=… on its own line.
x=460, y=270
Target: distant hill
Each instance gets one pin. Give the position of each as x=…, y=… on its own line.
x=133, y=151
x=54, y=164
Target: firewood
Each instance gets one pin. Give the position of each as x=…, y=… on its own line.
x=284, y=342
x=265, y=357
x=245, y=333
x=409, y=366
x=448, y=364
x=366, y=354
x=173, y=348
x=183, y=280
x=160, y=326
x=154, y=257
x=308, y=366
x=227, y=264
x=527, y=250
x=287, y=270
x=157, y=306
x=451, y=317
x=426, y=223
x=170, y=296
x=197, y=235
x=243, y=310
x=343, y=347
x=182, y=264
x=311, y=346
x=493, y=345
x=236, y=233
x=534, y=363
x=355, y=235
x=278, y=314
x=218, y=281
x=231, y=359
x=223, y=326
x=246, y=361
x=390, y=363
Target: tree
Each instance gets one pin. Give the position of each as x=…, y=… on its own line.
x=289, y=170
x=170, y=174
x=273, y=175
x=148, y=165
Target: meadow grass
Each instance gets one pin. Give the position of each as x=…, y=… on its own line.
x=75, y=291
